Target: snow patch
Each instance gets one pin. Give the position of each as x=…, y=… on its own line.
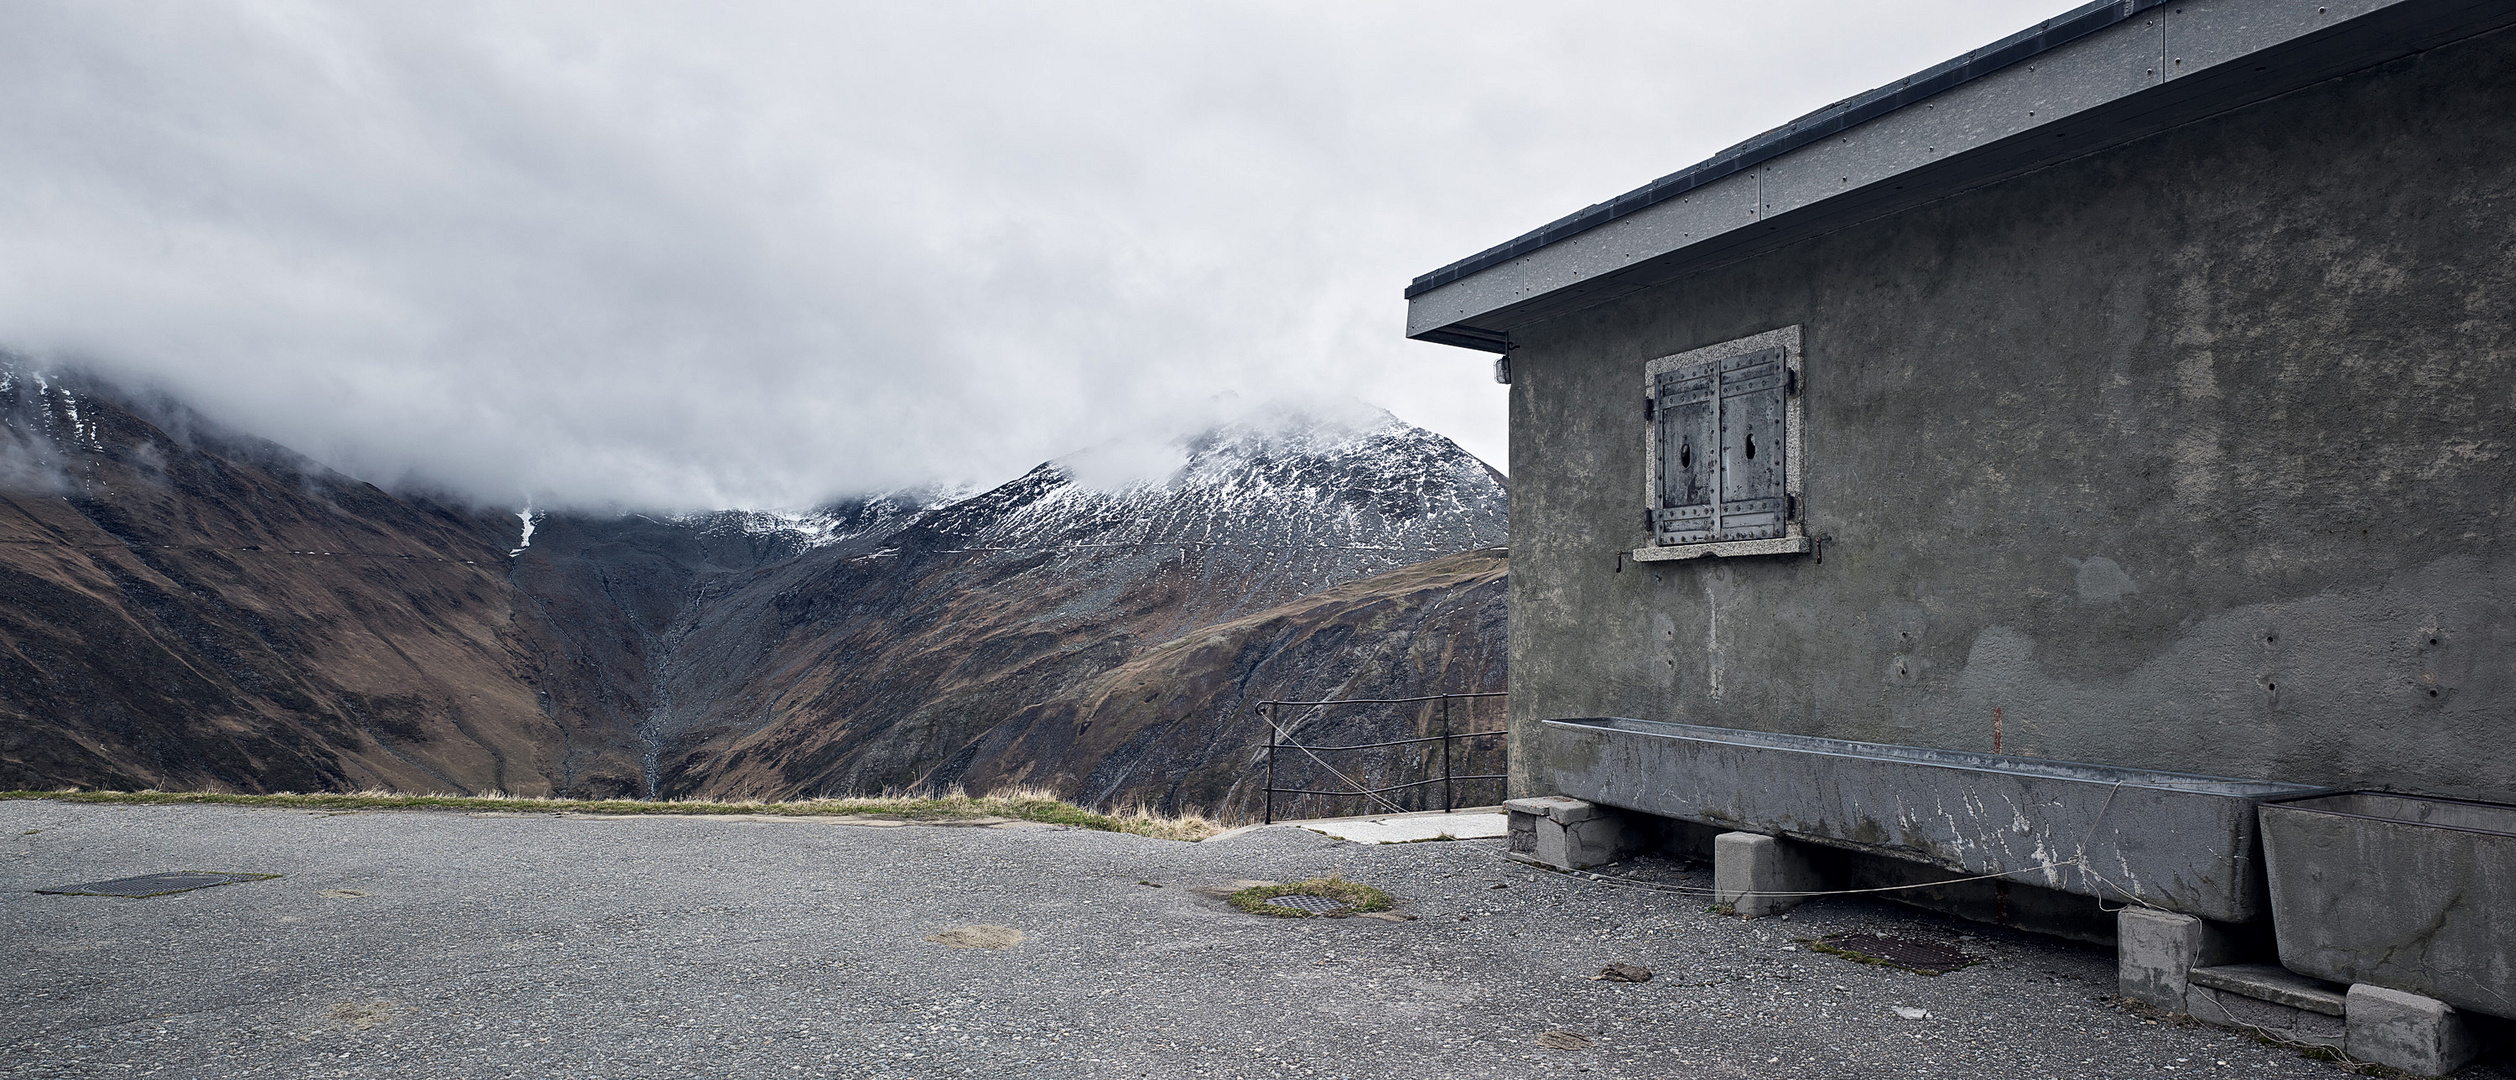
x=526, y=516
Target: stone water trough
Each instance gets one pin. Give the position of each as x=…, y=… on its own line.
x=2411, y=893
x=2167, y=840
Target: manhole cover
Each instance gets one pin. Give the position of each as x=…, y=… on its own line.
x=1924, y=957
x=1316, y=905
x=155, y=884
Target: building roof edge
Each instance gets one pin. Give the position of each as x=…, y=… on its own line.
x=1823, y=123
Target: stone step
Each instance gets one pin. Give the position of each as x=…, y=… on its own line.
x=2275, y=984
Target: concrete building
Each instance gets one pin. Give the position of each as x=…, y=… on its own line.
x=2034, y=469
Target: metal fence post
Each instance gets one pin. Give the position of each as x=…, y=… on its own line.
x=1268, y=715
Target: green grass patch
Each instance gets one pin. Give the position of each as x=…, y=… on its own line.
x=1016, y=806
x=1356, y=896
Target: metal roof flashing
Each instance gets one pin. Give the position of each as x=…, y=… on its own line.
x=2097, y=76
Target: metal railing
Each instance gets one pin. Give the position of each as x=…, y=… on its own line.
x=1269, y=711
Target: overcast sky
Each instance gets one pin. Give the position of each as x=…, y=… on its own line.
x=716, y=254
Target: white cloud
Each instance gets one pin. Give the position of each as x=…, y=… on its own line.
x=691, y=255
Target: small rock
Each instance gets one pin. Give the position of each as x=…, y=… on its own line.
x=1624, y=973
x=1911, y=1013
x=1564, y=1040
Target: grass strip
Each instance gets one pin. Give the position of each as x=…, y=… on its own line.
x=1017, y=806
x=1356, y=896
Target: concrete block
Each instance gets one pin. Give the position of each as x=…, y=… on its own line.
x=1756, y=874
x=1523, y=830
x=1568, y=834
x=2156, y=952
x=2416, y=1034
x=1582, y=844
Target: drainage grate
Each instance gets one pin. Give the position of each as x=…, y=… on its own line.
x=155, y=884
x=1922, y=957
x=1316, y=905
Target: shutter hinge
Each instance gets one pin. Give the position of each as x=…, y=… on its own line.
x=1650, y=521
x=1790, y=381
x=1650, y=405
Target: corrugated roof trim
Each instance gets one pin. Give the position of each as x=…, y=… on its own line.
x=1851, y=112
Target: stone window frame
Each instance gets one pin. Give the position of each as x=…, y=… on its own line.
x=1796, y=539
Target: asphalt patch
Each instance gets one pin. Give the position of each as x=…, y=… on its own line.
x=362, y=1015
x=988, y=936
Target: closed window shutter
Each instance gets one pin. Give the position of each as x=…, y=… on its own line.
x=1753, y=445
x=1723, y=444
x=1688, y=412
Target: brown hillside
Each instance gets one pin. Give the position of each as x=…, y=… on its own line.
x=1172, y=726
x=178, y=611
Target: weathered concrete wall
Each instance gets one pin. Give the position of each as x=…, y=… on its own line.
x=2192, y=455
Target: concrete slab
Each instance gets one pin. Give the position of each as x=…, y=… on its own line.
x=2288, y=1023
x=1484, y=823
x=2275, y=984
x=1557, y=808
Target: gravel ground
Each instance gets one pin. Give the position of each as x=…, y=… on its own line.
x=546, y=946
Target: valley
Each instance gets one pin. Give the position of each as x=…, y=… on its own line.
x=189, y=608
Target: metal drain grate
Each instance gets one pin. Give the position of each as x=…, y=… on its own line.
x=155, y=884
x=1316, y=905
x=1924, y=957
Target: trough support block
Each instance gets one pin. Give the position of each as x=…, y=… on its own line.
x=1567, y=833
x=1757, y=874
x=2419, y=1035
x=2156, y=952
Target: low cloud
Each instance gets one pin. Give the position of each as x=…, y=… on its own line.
x=685, y=256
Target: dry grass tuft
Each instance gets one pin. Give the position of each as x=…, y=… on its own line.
x=1015, y=804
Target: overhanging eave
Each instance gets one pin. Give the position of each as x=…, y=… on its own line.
x=2154, y=68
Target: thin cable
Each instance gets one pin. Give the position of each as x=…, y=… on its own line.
x=1360, y=788
x=1693, y=890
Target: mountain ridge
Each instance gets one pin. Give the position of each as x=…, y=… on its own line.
x=399, y=642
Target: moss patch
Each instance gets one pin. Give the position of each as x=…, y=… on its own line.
x=1020, y=806
x=1920, y=958
x=1356, y=896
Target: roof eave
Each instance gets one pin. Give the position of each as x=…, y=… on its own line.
x=2132, y=77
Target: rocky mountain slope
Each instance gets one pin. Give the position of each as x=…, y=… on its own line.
x=185, y=608
x=883, y=665
x=1175, y=726
x=180, y=609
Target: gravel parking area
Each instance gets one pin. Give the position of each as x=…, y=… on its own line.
x=416, y=944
